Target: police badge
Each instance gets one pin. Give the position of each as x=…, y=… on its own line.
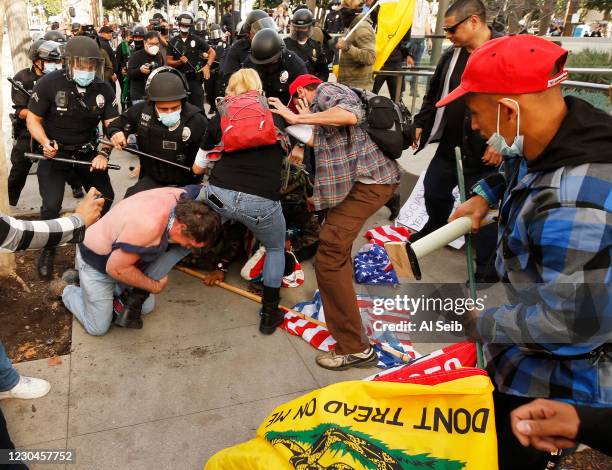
x=284, y=76
x=100, y=101
x=186, y=134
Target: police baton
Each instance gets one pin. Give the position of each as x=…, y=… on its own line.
x=146, y=155
x=36, y=156
x=19, y=87
x=176, y=51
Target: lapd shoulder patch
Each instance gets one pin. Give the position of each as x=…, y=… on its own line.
x=186, y=134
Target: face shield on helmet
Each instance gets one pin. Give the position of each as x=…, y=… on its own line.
x=50, y=53
x=185, y=22
x=83, y=70
x=200, y=26
x=215, y=34
x=264, y=23
x=300, y=33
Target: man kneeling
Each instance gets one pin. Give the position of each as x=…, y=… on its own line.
x=124, y=256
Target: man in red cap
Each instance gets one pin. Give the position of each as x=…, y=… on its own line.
x=552, y=338
x=353, y=179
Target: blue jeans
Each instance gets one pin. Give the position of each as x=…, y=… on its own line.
x=9, y=377
x=262, y=216
x=416, y=47
x=92, y=303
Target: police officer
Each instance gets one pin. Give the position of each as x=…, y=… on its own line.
x=333, y=21
x=187, y=52
x=216, y=39
x=75, y=29
x=55, y=35
x=46, y=57
x=309, y=50
x=142, y=63
x=277, y=67
x=64, y=113
x=239, y=51
x=201, y=29
x=166, y=126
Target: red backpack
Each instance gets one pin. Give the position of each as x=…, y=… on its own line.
x=246, y=122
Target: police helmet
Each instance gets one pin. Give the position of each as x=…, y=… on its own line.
x=55, y=35
x=83, y=53
x=90, y=31
x=302, y=18
x=264, y=23
x=200, y=25
x=185, y=20
x=252, y=17
x=158, y=16
x=266, y=47
x=215, y=32
x=166, y=84
x=33, y=52
x=75, y=27
x=139, y=30
x=50, y=51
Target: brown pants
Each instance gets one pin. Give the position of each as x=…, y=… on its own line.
x=333, y=265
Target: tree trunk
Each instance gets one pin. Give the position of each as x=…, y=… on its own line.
x=572, y=7
x=547, y=12
x=7, y=260
x=18, y=32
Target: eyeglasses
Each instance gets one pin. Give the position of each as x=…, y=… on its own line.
x=453, y=28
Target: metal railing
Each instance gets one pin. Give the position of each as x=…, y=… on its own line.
x=425, y=71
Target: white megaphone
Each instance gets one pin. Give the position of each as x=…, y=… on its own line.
x=405, y=256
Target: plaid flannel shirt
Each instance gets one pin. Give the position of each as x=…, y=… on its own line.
x=345, y=154
x=17, y=235
x=555, y=235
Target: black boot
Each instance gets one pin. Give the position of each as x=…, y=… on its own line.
x=394, y=206
x=271, y=315
x=77, y=192
x=45, y=263
x=130, y=317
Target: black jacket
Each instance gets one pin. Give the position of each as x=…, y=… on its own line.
x=472, y=144
x=138, y=79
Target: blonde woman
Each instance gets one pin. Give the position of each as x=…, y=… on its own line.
x=244, y=185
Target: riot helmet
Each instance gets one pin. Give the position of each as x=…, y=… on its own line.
x=51, y=54
x=252, y=17
x=55, y=35
x=166, y=84
x=266, y=47
x=200, y=27
x=301, y=25
x=215, y=33
x=185, y=22
x=83, y=60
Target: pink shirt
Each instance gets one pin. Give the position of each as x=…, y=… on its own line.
x=138, y=220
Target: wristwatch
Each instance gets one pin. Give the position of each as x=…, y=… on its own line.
x=222, y=267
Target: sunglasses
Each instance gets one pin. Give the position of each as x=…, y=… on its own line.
x=453, y=28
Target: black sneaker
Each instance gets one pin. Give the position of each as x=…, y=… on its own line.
x=77, y=192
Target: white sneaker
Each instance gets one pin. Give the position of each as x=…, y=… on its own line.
x=27, y=388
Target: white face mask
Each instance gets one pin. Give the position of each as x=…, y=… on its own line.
x=184, y=29
x=152, y=50
x=498, y=143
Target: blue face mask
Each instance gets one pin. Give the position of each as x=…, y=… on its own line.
x=169, y=119
x=83, y=77
x=51, y=67
x=498, y=143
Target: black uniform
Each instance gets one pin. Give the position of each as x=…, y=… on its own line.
x=395, y=62
x=277, y=77
x=311, y=52
x=179, y=145
x=211, y=86
x=71, y=118
x=232, y=62
x=193, y=47
x=136, y=77
x=20, y=165
x=333, y=22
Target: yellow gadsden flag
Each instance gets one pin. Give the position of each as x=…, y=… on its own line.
x=375, y=425
x=394, y=21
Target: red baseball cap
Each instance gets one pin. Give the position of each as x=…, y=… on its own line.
x=511, y=65
x=301, y=81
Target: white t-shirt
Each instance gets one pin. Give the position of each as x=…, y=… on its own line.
x=421, y=17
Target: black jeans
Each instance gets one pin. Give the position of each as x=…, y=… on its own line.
x=440, y=179
x=19, y=169
x=391, y=81
x=53, y=175
x=6, y=443
x=511, y=454
x=196, y=93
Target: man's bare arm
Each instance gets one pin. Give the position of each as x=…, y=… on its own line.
x=121, y=266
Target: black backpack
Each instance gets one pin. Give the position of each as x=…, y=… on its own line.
x=387, y=123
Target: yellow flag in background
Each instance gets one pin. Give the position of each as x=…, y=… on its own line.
x=376, y=425
x=394, y=21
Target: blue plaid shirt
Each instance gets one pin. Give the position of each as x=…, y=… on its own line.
x=555, y=247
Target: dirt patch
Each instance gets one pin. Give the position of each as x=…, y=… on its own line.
x=33, y=325
x=588, y=459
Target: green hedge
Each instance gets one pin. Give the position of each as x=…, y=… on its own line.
x=590, y=58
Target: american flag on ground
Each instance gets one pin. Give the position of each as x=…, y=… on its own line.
x=387, y=233
x=373, y=266
x=320, y=337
